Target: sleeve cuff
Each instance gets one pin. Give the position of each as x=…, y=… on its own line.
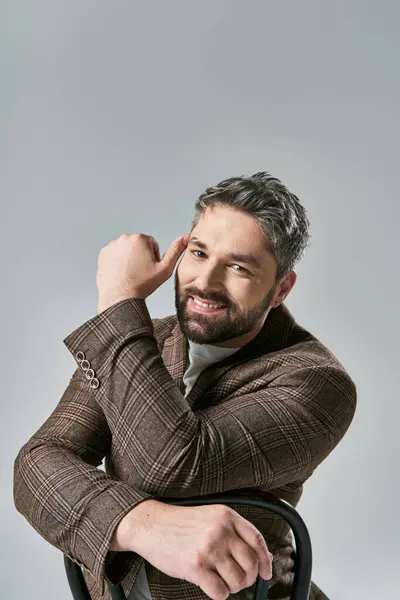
x=95, y=340
x=102, y=516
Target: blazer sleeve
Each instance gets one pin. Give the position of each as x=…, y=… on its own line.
x=271, y=437
x=62, y=493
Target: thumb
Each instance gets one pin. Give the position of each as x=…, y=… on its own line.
x=171, y=255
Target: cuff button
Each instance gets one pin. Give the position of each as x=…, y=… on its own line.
x=94, y=383
x=80, y=356
x=85, y=364
x=89, y=374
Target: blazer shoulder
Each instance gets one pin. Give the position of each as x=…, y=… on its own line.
x=314, y=376
x=310, y=355
x=306, y=348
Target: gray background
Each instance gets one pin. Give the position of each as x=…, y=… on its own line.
x=114, y=117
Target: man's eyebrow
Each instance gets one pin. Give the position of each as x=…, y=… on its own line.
x=240, y=257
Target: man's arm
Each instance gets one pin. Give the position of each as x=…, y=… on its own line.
x=58, y=488
x=272, y=437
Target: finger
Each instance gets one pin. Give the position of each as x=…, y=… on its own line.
x=244, y=565
x=255, y=540
x=172, y=254
x=232, y=573
x=155, y=247
x=212, y=585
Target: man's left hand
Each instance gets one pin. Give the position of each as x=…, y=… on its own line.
x=130, y=267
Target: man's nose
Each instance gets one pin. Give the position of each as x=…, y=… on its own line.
x=209, y=279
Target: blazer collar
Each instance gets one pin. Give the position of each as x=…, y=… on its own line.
x=274, y=335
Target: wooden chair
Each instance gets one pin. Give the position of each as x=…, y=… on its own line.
x=302, y=557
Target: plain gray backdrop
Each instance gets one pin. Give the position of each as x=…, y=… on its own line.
x=114, y=117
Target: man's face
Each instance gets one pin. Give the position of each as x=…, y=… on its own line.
x=245, y=289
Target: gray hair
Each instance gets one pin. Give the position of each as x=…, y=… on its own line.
x=282, y=218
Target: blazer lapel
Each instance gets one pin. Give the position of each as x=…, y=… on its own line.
x=278, y=328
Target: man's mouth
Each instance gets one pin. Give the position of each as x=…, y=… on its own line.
x=206, y=307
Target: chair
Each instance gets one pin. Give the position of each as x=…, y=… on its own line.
x=303, y=554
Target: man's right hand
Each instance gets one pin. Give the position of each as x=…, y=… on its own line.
x=211, y=545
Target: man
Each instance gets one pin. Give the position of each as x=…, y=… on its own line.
x=228, y=394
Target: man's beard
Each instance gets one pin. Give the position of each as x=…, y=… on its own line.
x=214, y=328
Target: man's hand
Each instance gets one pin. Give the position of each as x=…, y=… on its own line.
x=130, y=267
x=211, y=546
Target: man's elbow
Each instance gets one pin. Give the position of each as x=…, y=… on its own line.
x=24, y=479
x=19, y=477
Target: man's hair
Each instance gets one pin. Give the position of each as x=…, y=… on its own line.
x=282, y=218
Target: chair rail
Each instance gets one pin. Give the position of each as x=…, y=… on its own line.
x=303, y=554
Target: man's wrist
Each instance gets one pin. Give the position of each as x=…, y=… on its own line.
x=104, y=303
x=134, y=527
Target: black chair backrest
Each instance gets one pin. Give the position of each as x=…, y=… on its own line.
x=303, y=554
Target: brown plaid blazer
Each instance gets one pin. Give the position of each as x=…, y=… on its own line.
x=263, y=418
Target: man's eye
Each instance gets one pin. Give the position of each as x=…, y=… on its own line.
x=236, y=265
